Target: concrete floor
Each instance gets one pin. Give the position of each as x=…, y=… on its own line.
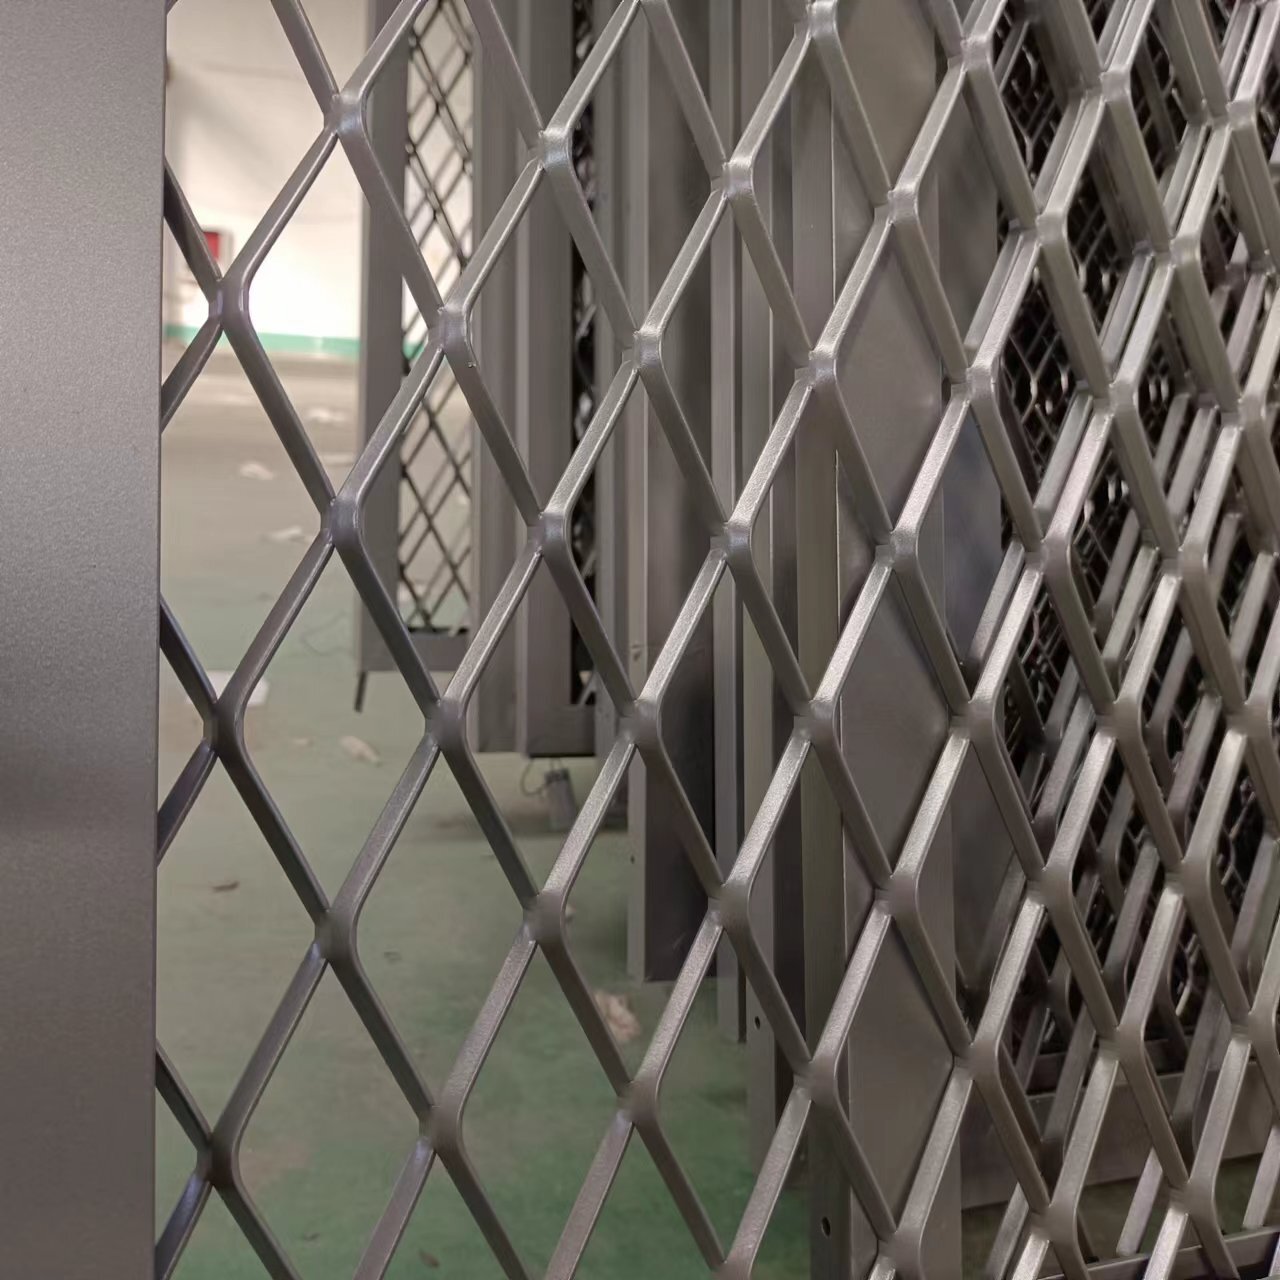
x=332, y=1130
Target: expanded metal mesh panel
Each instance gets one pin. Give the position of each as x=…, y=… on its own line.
x=1120, y=702
x=434, y=550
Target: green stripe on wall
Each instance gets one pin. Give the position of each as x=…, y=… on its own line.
x=291, y=343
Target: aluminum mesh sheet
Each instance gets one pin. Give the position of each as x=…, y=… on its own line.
x=434, y=545
x=1120, y=701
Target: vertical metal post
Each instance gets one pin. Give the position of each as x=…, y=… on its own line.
x=826, y=923
x=382, y=328
x=611, y=471
x=80, y=196
x=777, y=906
x=726, y=346
x=548, y=723
x=666, y=902
x=493, y=522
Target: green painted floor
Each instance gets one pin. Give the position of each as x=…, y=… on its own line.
x=331, y=1132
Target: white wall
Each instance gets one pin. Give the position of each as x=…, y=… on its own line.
x=240, y=116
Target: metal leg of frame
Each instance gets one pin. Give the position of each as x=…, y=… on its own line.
x=549, y=722
x=826, y=926
x=80, y=202
x=726, y=346
x=766, y=375
x=493, y=515
x=611, y=471
x=382, y=332
x=666, y=902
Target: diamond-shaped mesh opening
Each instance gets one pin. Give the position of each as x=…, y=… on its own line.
x=1103, y=522
x=894, y=1003
x=639, y=1226
x=1037, y=381
x=1128, y=879
x=1100, y=260
x=1046, y=1006
x=210, y=122
x=432, y=965
x=961, y=175
x=504, y=1123
x=1099, y=11
x=222, y=463
x=434, y=551
x=1240, y=560
x=219, y=880
x=914, y=700
x=1224, y=259
x=442, y=1234
x=217, y=1247
x=313, y=1106
x=702, y=1091
x=309, y=737
x=1045, y=661
x=1027, y=84
x=1263, y=599
x=1269, y=111
x=1257, y=295
x=1219, y=13
x=1165, y=375
x=1158, y=98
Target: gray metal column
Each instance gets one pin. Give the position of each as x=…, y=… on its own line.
x=767, y=374
x=827, y=928
x=382, y=329
x=609, y=129
x=80, y=187
x=726, y=469
x=548, y=722
x=493, y=515
x=666, y=902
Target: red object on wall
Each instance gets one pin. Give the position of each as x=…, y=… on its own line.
x=216, y=242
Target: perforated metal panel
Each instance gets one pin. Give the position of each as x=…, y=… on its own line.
x=1115, y=704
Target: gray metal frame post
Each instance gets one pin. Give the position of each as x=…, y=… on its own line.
x=726, y=464
x=827, y=931
x=493, y=515
x=777, y=905
x=548, y=721
x=609, y=140
x=80, y=204
x=382, y=329
x=666, y=902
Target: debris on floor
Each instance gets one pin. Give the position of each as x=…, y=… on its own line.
x=618, y=1015
x=255, y=471
x=320, y=415
x=359, y=749
x=226, y=886
x=290, y=533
